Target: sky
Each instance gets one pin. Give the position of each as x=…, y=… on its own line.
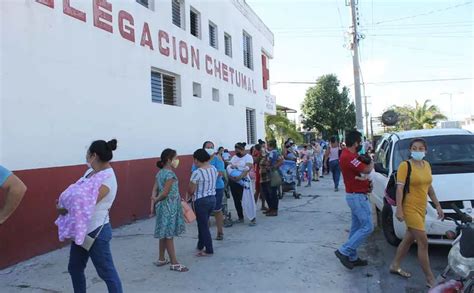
x=405, y=40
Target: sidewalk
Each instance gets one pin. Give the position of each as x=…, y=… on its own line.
x=293, y=252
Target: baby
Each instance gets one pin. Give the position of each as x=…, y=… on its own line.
x=234, y=171
x=366, y=159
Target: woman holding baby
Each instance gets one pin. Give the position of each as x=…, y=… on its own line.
x=84, y=213
x=240, y=184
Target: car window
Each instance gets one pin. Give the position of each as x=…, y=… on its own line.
x=388, y=152
x=380, y=153
x=447, y=154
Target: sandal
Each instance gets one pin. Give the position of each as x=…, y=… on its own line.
x=220, y=236
x=202, y=253
x=160, y=263
x=179, y=268
x=400, y=272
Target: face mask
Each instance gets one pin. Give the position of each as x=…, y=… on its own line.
x=89, y=164
x=239, y=155
x=210, y=151
x=418, y=156
x=175, y=163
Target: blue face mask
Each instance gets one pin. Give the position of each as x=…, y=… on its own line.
x=418, y=156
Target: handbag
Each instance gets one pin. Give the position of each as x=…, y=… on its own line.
x=89, y=241
x=189, y=215
x=275, y=178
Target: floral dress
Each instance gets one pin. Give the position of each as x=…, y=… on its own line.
x=169, y=213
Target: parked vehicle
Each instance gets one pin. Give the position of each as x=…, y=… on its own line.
x=451, y=155
x=460, y=258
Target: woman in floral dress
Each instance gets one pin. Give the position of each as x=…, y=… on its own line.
x=166, y=204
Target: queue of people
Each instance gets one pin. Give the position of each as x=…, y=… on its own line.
x=84, y=206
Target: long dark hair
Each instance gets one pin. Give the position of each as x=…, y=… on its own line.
x=166, y=156
x=104, y=150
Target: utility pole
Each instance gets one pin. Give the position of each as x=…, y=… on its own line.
x=366, y=116
x=355, y=63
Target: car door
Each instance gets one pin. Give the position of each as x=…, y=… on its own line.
x=381, y=172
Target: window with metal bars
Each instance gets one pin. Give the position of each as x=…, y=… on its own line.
x=163, y=89
x=177, y=12
x=212, y=35
x=251, y=130
x=248, y=55
x=195, y=21
x=228, y=44
x=144, y=3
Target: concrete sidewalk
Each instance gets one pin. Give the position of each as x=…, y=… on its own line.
x=293, y=252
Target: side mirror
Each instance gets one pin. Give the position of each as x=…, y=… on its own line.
x=380, y=169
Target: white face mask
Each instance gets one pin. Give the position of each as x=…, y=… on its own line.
x=210, y=151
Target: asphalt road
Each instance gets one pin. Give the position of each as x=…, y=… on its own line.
x=293, y=252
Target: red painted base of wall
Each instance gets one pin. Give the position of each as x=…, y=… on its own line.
x=31, y=231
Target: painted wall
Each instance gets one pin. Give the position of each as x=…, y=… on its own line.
x=66, y=82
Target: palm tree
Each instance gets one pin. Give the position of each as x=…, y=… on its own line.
x=279, y=127
x=425, y=116
x=422, y=116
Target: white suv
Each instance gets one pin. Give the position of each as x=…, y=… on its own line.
x=451, y=154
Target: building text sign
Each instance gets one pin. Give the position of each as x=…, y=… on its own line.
x=156, y=40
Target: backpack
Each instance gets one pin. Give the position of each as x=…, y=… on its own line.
x=391, y=189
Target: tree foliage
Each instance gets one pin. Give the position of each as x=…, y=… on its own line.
x=422, y=116
x=326, y=108
x=279, y=127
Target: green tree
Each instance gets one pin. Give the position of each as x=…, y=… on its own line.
x=326, y=108
x=279, y=127
x=422, y=116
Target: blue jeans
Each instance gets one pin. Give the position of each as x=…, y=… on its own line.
x=203, y=208
x=336, y=172
x=361, y=226
x=101, y=258
x=307, y=167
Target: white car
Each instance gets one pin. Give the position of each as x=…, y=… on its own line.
x=451, y=155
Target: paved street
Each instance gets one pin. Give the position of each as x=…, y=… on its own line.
x=291, y=253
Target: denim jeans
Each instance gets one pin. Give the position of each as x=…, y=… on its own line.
x=204, y=207
x=336, y=172
x=271, y=195
x=308, y=168
x=361, y=226
x=101, y=257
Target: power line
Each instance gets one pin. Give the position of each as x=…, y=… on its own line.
x=426, y=13
x=415, y=25
x=383, y=82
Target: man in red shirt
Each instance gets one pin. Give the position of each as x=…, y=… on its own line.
x=357, y=199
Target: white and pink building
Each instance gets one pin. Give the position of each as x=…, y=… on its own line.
x=150, y=73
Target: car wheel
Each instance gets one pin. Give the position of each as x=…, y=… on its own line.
x=387, y=226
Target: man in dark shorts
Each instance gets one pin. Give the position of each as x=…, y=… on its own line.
x=357, y=199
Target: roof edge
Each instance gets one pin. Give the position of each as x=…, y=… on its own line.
x=254, y=19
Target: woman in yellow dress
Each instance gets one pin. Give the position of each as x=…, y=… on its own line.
x=411, y=209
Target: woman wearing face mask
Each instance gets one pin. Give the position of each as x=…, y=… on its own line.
x=411, y=208
x=203, y=189
x=98, y=159
x=218, y=163
x=243, y=162
x=166, y=204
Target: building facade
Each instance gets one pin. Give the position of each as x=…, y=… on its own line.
x=152, y=74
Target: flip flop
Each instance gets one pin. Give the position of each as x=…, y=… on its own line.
x=400, y=272
x=160, y=263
